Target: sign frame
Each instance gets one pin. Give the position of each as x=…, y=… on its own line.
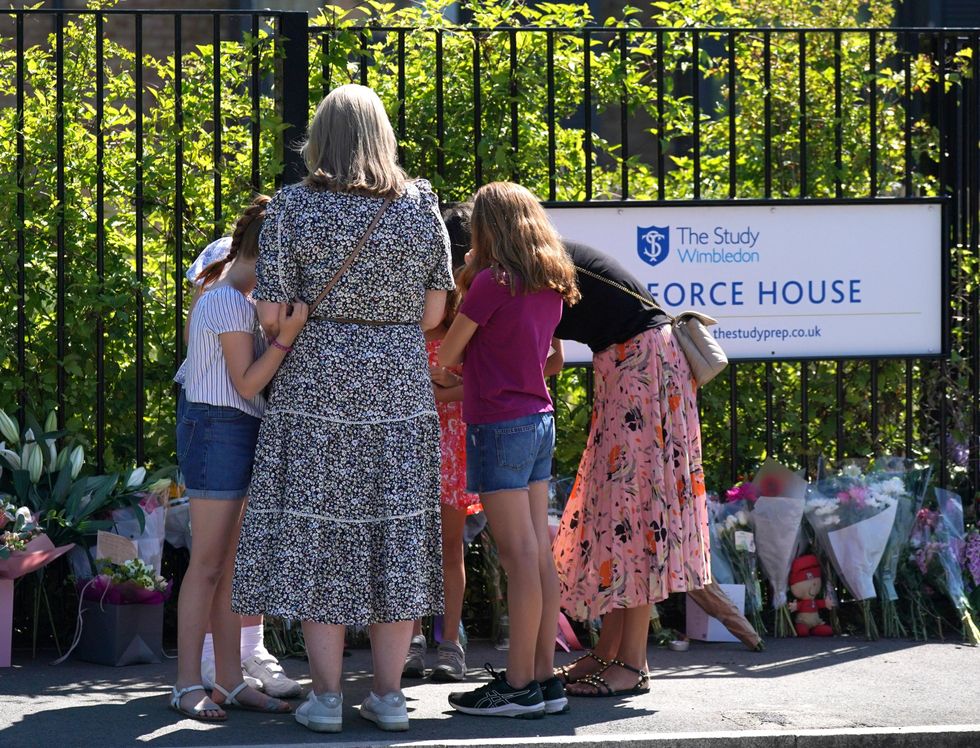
x=945, y=244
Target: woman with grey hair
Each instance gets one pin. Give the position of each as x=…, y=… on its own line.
x=343, y=515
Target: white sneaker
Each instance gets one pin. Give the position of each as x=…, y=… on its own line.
x=388, y=712
x=207, y=677
x=321, y=713
x=266, y=669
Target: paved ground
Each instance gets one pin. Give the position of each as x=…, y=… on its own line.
x=820, y=693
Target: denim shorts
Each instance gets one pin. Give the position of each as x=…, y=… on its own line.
x=215, y=450
x=509, y=455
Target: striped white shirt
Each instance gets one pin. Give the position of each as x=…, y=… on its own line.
x=220, y=310
x=216, y=250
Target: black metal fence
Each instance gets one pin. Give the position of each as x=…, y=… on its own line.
x=216, y=98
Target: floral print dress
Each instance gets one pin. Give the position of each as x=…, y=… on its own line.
x=635, y=527
x=453, y=443
x=343, y=523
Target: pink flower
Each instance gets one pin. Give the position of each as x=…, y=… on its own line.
x=742, y=491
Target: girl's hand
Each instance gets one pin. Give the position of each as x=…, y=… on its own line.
x=442, y=377
x=292, y=317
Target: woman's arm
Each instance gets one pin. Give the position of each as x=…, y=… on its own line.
x=269, y=316
x=250, y=375
x=556, y=360
x=434, y=310
x=453, y=345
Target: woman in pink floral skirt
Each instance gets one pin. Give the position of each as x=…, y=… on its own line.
x=635, y=527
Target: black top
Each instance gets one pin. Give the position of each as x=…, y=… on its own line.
x=605, y=315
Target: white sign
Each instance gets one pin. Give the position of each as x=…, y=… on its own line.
x=783, y=281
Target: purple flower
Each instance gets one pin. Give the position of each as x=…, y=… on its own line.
x=972, y=556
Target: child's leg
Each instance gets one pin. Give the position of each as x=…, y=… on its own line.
x=544, y=654
x=213, y=522
x=226, y=629
x=453, y=570
x=509, y=516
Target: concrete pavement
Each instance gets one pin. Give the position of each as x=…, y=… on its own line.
x=798, y=693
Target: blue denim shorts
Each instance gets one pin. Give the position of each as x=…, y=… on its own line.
x=509, y=455
x=215, y=450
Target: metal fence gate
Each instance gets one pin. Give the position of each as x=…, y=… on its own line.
x=136, y=136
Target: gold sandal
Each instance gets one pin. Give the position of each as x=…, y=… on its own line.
x=563, y=673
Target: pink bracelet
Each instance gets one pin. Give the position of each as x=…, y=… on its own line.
x=284, y=348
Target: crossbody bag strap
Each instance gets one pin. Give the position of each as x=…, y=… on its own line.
x=352, y=256
x=625, y=290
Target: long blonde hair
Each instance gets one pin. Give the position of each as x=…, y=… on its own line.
x=351, y=146
x=512, y=233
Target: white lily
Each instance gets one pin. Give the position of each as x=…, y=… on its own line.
x=9, y=428
x=29, y=435
x=12, y=458
x=76, y=461
x=33, y=460
x=23, y=518
x=136, y=477
x=53, y=455
x=51, y=422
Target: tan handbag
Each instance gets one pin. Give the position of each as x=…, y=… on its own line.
x=704, y=355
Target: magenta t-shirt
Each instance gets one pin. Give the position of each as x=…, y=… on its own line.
x=503, y=364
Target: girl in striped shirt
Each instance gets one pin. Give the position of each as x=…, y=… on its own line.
x=228, y=366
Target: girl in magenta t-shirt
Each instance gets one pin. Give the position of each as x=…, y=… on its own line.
x=503, y=333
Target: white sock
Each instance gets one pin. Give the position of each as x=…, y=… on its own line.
x=207, y=652
x=252, y=641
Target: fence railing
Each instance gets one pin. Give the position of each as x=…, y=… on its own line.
x=138, y=135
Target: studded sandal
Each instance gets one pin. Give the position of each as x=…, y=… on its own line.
x=604, y=690
x=563, y=673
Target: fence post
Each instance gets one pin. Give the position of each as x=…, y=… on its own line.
x=294, y=36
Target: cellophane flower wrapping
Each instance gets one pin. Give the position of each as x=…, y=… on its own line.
x=731, y=524
x=949, y=548
x=916, y=480
x=777, y=516
x=852, y=515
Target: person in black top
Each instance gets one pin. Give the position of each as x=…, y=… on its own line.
x=609, y=314
x=635, y=527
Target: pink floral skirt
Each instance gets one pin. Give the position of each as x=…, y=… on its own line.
x=635, y=527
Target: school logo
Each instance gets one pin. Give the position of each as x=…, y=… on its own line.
x=653, y=243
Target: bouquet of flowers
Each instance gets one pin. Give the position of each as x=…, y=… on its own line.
x=17, y=527
x=777, y=516
x=938, y=552
x=908, y=506
x=126, y=583
x=731, y=525
x=852, y=515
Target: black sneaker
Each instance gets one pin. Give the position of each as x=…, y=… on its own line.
x=553, y=691
x=499, y=699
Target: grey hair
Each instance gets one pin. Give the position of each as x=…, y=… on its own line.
x=350, y=145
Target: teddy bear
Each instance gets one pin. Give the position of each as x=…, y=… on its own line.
x=805, y=583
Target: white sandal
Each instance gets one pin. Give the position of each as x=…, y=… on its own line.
x=196, y=712
x=272, y=706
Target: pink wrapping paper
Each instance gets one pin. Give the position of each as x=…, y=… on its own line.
x=102, y=589
x=38, y=552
